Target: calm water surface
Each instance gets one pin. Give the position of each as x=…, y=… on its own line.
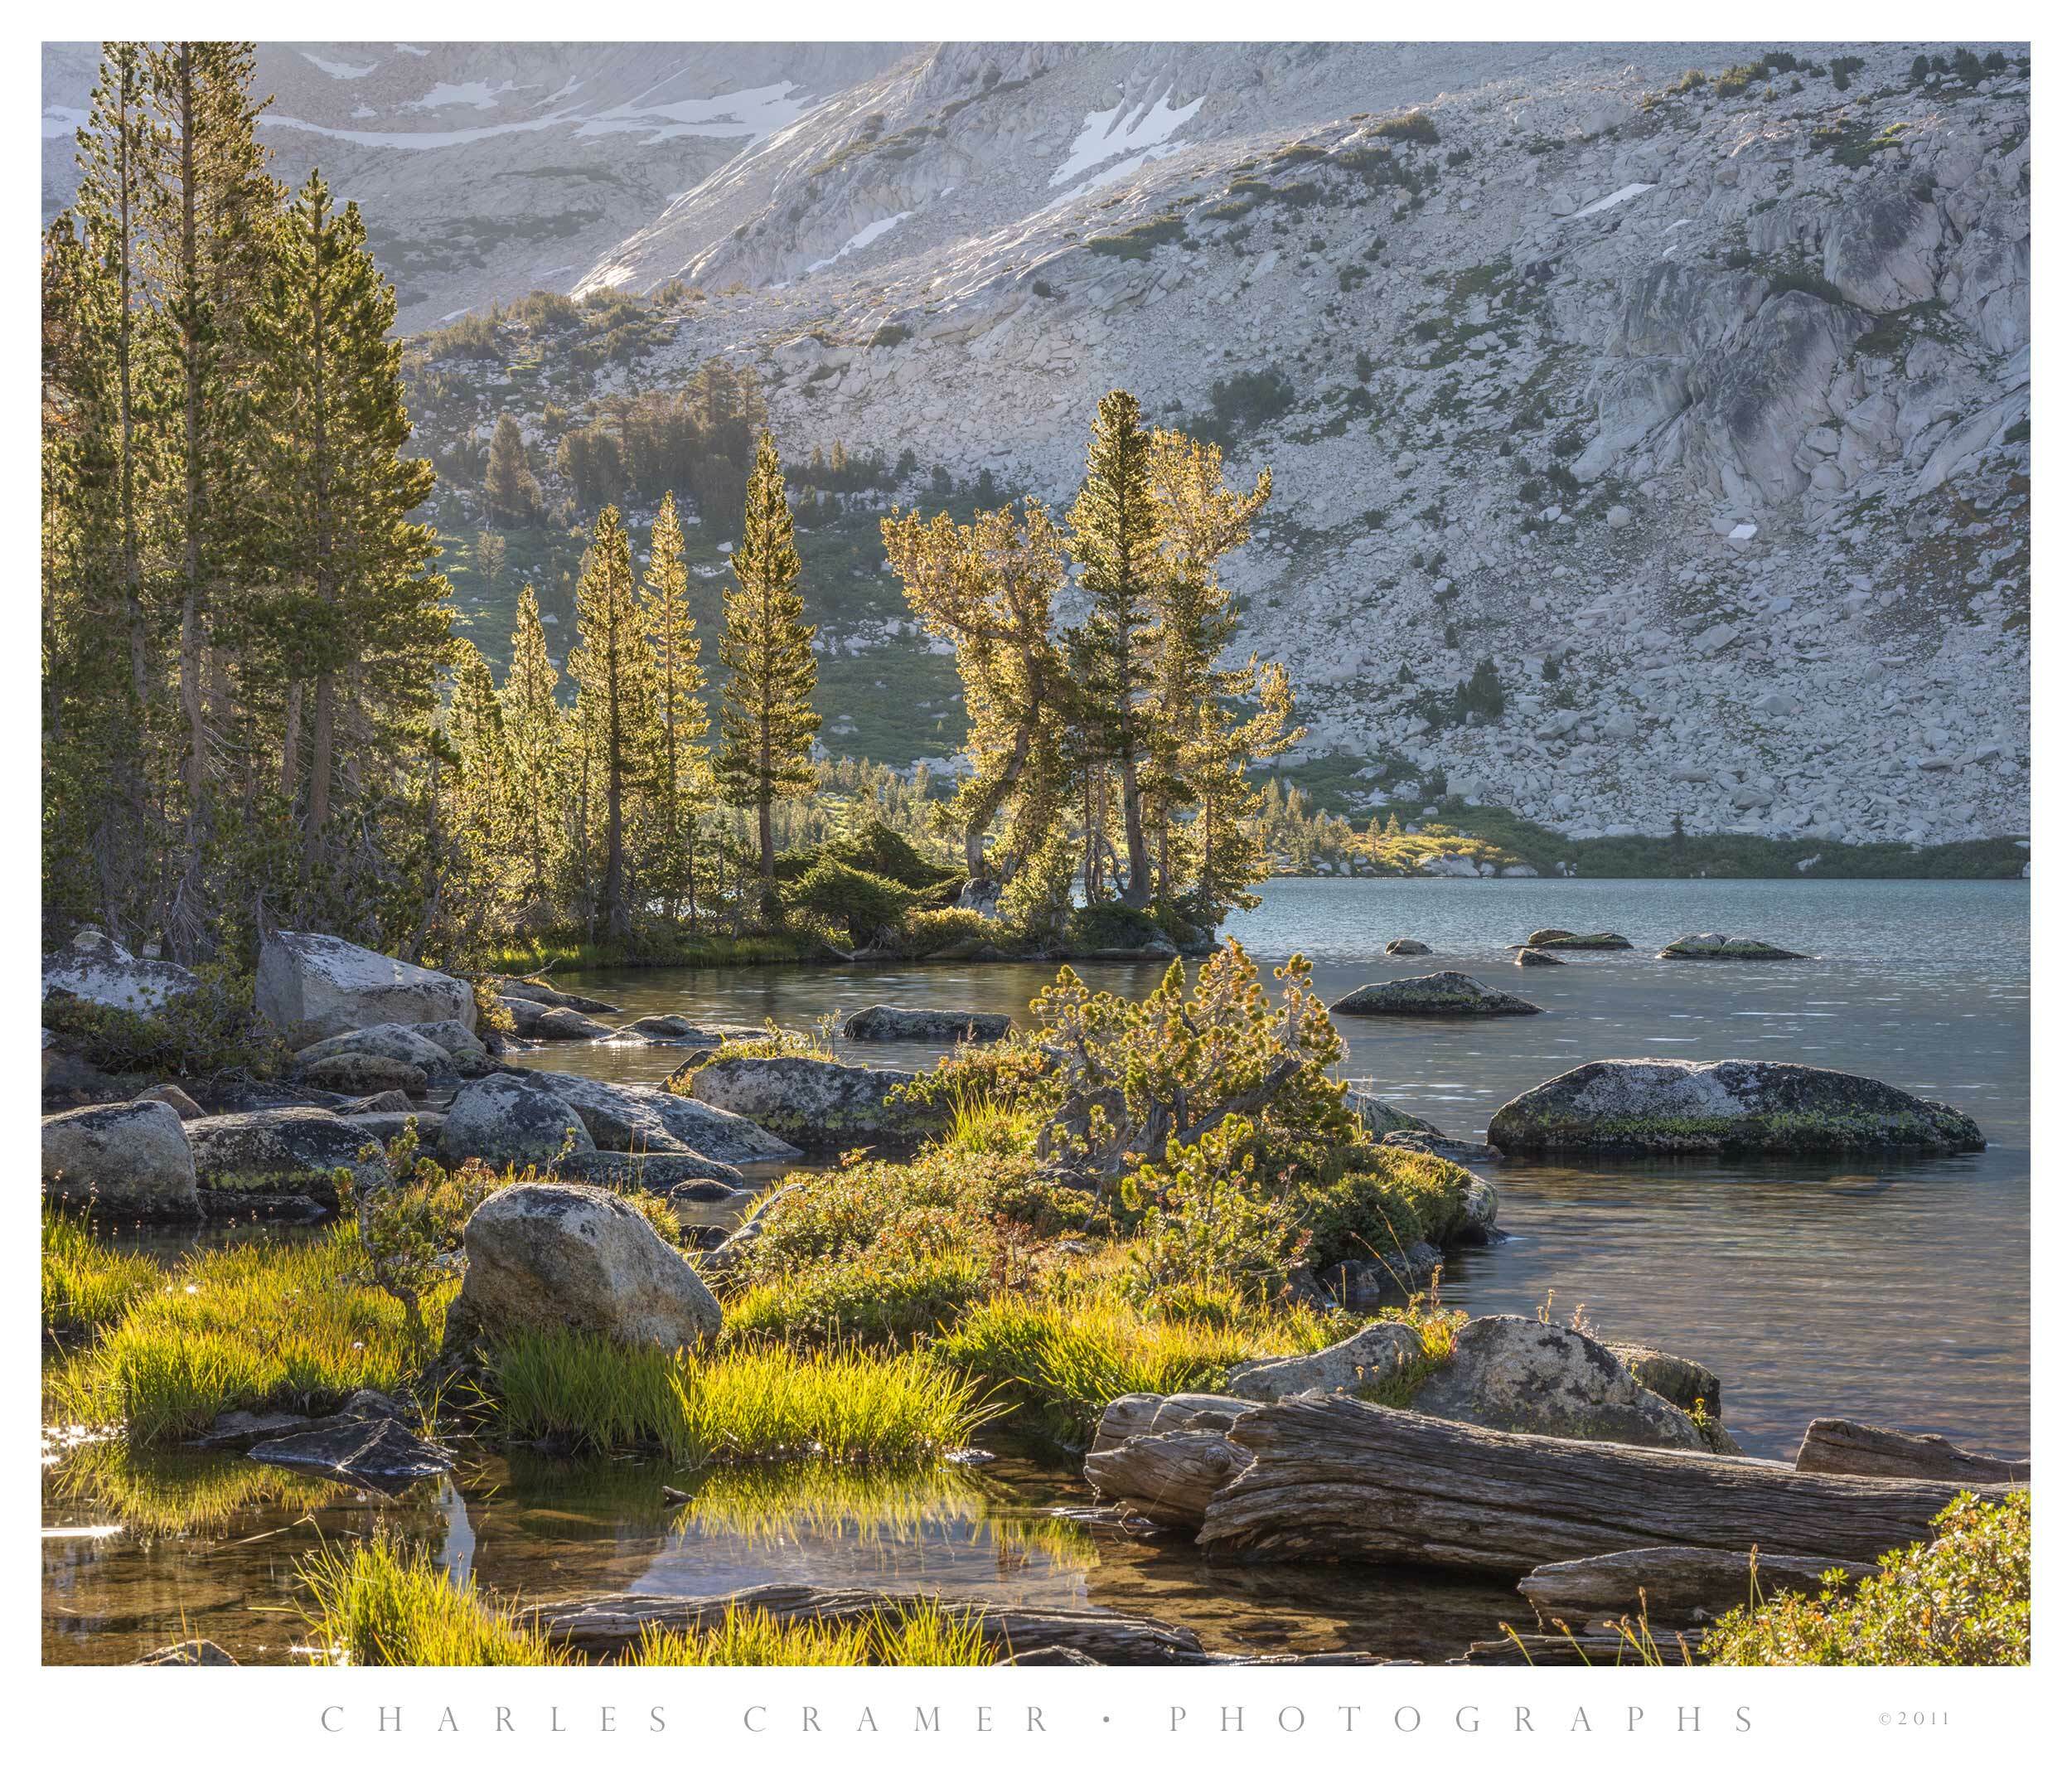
x=1896, y=1292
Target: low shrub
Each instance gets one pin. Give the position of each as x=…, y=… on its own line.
x=1387, y=1202
x=1109, y=923
x=1408, y=126
x=929, y=931
x=1961, y=1598
x=209, y=1032
x=878, y=1299
x=858, y=903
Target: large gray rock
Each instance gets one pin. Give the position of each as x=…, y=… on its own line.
x=1516, y=1374
x=814, y=1102
x=560, y=1023
x=1447, y=994
x=361, y=1074
x=531, y=990
x=289, y=1151
x=446, y=1049
x=1662, y=1106
x=642, y=1118
x=892, y=1022
x=1881, y=247
x=96, y=967
x=311, y=986
x=1712, y=947
x=1372, y=1355
x=128, y=1158
x=562, y=1255
x=510, y=1118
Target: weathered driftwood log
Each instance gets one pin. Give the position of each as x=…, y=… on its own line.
x=1834, y=1444
x=602, y=1625
x=1168, y=1479
x=1600, y=1651
x=1680, y=1582
x=1333, y=1477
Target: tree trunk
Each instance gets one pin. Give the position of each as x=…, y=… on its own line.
x=1333, y=1477
x=192, y=641
x=1136, y=891
x=322, y=740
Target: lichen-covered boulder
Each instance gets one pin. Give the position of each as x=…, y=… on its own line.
x=1432, y=995
x=560, y=1023
x=563, y=1256
x=127, y=1158
x=1664, y=1107
x=462, y=1047
x=510, y=1118
x=1712, y=947
x=812, y=1102
x=1538, y=957
x=892, y=1022
x=643, y=1118
x=1374, y=1354
x=1687, y=1384
x=1518, y=1374
x=380, y=1125
x=1406, y=945
x=311, y=986
x=388, y=1040
x=1540, y=937
x=96, y=967
x=361, y=1075
x=288, y=1150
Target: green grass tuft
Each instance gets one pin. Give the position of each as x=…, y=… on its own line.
x=87, y=1286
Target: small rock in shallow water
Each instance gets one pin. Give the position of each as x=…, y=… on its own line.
x=375, y=1451
x=1711, y=946
x=1406, y=945
x=1432, y=995
x=889, y=1022
x=1534, y=958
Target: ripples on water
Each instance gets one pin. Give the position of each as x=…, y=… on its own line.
x=1896, y=1291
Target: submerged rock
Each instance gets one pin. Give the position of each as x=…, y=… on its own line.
x=372, y=1450
x=311, y=986
x=510, y=1118
x=1711, y=947
x=890, y=1022
x=96, y=967
x=291, y=1150
x=562, y=1023
x=1518, y=1374
x=1535, y=958
x=680, y=1031
x=1373, y=1354
x=548, y=1255
x=128, y=1158
x=1569, y=939
x=1447, y=994
x=532, y=991
x=814, y=1102
x=1662, y=1106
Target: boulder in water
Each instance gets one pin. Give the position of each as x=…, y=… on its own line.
x=127, y=1158
x=532, y=991
x=643, y=1118
x=562, y=1255
x=891, y=1022
x=372, y=1450
x=1713, y=946
x=1569, y=939
x=1432, y=995
x=561, y=1023
x=1538, y=957
x=1665, y=1106
x=311, y=986
x=1406, y=945
x=1380, y=1119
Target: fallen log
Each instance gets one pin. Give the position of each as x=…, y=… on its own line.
x=600, y=1626
x=1334, y=1477
x=1601, y=1650
x=1167, y=1479
x=1834, y=1444
x=1678, y=1582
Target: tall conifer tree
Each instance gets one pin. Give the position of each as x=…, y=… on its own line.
x=682, y=763
x=613, y=668
x=533, y=724
x=767, y=721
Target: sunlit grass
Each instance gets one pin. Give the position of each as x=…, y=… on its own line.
x=254, y=1326
x=87, y=1285
x=374, y=1604
x=734, y=1404
x=875, y=1300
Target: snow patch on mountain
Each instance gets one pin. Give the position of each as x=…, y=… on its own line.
x=1098, y=141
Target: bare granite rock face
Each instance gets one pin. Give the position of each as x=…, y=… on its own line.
x=563, y=1256
x=1747, y=1106
x=127, y=1158
x=1518, y=1374
x=311, y=987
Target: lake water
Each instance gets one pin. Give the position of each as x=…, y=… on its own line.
x=1896, y=1291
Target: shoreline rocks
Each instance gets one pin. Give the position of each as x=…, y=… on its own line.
x=286, y=1150
x=1447, y=994
x=1602, y=939
x=1834, y=1444
x=510, y=1118
x=1537, y=957
x=1646, y=1107
x=130, y=1158
x=649, y=1118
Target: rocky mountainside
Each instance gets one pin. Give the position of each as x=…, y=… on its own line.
x=1698, y=404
